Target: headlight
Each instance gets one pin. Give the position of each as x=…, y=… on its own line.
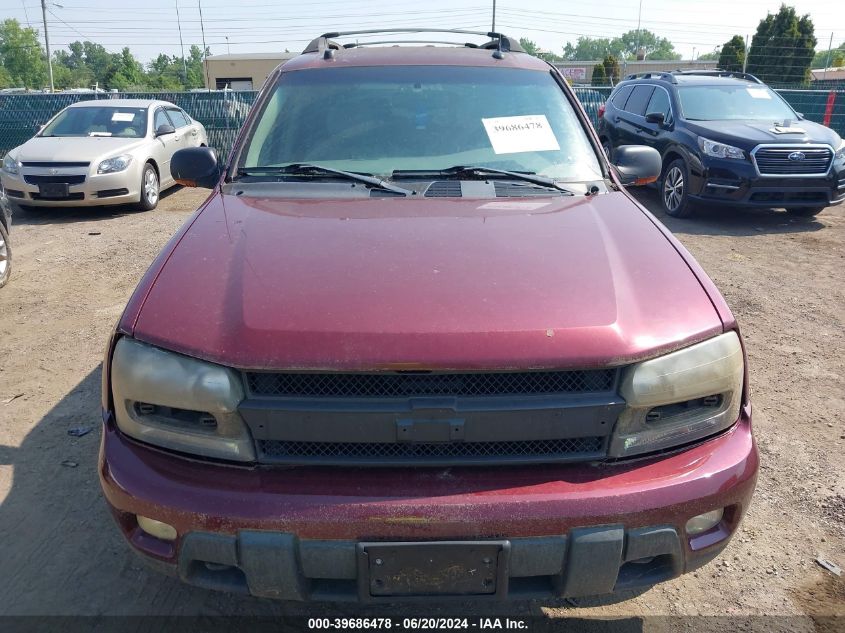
x=840, y=153
x=112, y=165
x=179, y=402
x=680, y=397
x=10, y=165
x=719, y=150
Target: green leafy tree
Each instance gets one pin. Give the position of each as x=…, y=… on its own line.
x=196, y=71
x=21, y=56
x=128, y=73
x=588, y=49
x=836, y=58
x=599, y=75
x=783, y=47
x=732, y=55
x=653, y=46
x=612, y=70
x=531, y=48
x=711, y=56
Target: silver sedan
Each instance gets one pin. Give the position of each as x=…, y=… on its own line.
x=101, y=152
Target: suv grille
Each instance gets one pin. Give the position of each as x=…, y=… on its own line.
x=350, y=452
x=776, y=161
x=403, y=385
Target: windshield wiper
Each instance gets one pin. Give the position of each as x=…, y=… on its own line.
x=470, y=170
x=309, y=169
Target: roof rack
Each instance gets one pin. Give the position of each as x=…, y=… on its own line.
x=499, y=42
x=670, y=75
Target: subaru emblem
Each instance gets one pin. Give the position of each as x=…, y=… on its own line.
x=796, y=156
x=56, y=171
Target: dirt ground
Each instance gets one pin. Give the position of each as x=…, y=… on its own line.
x=74, y=270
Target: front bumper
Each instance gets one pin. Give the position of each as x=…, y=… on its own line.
x=95, y=190
x=296, y=533
x=737, y=183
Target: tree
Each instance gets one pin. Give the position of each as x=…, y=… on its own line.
x=21, y=56
x=599, y=75
x=653, y=46
x=588, y=49
x=622, y=47
x=837, y=58
x=732, y=56
x=783, y=47
x=712, y=56
x=612, y=71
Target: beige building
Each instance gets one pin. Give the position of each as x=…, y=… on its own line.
x=582, y=72
x=241, y=71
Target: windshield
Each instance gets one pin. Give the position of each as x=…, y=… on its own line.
x=380, y=119
x=99, y=121
x=723, y=103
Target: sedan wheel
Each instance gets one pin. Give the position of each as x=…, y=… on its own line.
x=5, y=257
x=149, y=188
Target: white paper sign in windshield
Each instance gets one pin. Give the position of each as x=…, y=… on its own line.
x=123, y=116
x=515, y=134
x=759, y=93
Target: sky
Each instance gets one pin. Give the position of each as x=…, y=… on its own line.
x=150, y=27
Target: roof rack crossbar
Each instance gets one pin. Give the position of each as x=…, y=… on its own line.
x=670, y=75
x=360, y=44
x=498, y=41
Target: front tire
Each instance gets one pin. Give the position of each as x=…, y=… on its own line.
x=5, y=256
x=150, y=188
x=805, y=212
x=674, y=190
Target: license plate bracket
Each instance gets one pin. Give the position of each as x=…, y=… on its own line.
x=443, y=569
x=54, y=190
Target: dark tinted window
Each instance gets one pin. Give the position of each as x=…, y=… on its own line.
x=638, y=99
x=177, y=117
x=621, y=96
x=733, y=102
x=659, y=102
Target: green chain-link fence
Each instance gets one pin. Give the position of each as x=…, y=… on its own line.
x=223, y=113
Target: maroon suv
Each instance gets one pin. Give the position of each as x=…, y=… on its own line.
x=420, y=341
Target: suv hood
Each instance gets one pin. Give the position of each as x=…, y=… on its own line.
x=748, y=134
x=387, y=283
x=74, y=148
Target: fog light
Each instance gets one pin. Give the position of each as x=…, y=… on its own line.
x=157, y=529
x=703, y=522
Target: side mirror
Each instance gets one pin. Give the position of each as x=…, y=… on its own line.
x=195, y=167
x=656, y=117
x=165, y=129
x=637, y=164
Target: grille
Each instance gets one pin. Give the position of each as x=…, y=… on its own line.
x=68, y=179
x=110, y=193
x=512, y=190
x=340, y=385
x=271, y=450
x=73, y=196
x=775, y=161
x=444, y=189
x=53, y=164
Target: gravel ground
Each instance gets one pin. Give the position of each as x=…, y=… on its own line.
x=74, y=270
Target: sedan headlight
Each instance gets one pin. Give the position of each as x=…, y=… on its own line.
x=680, y=397
x=10, y=165
x=112, y=165
x=179, y=402
x=719, y=150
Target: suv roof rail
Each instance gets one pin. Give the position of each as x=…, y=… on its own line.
x=670, y=75
x=499, y=42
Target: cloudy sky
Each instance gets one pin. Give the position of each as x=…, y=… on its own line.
x=150, y=26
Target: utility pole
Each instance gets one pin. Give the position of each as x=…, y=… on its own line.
x=204, y=47
x=228, y=50
x=181, y=44
x=47, y=42
x=827, y=63
x=494, y=17
x=639, y=20
x=745, y=57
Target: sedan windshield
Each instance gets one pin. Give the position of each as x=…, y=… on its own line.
x=378, y=120
x=99, y=121
x=723, y=103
